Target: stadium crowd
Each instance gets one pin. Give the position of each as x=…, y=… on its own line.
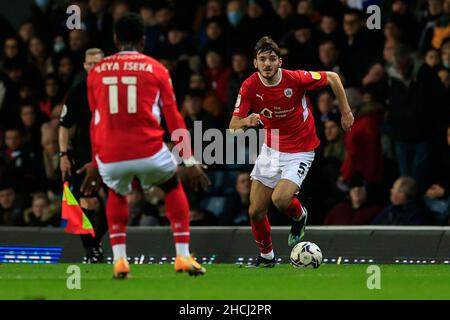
x=393, y=168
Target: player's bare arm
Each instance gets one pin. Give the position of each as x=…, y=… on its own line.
x=238, y=123
x=338, y=89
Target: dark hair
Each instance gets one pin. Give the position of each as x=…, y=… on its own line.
x=266, y=44
x=129, y=29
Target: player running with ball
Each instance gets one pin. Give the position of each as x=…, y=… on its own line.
x=128, y=93
x=277, y=98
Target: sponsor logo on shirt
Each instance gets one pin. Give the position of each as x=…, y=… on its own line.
x=238, y=101
x=266, y=113
x=315, y=75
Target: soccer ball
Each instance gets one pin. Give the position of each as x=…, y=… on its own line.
x=306, y=255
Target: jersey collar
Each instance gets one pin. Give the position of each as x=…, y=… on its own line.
x=272, y=85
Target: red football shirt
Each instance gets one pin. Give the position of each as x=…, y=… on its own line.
x=283, y=106
x=127, y=93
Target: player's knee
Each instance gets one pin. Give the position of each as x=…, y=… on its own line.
x=281, y=201
x=256, y=214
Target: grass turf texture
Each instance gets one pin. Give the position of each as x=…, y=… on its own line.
x=226, y=281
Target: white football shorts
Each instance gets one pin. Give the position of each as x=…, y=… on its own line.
x=149, y=171
x=272, y=165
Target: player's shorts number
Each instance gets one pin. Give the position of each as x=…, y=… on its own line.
x=301, y=168
x=113, y=93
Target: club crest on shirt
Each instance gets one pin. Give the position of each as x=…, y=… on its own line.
x=266, y=113
x=288, y=92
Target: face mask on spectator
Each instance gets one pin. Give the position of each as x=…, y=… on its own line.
x=234, y=17
x=58, y=47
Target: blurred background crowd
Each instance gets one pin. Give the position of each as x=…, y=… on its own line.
x=393, y=168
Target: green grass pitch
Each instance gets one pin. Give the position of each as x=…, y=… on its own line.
x=227, y=282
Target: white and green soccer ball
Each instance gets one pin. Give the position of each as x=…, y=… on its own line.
x=306, y=255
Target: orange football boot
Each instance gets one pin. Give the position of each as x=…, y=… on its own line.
x=189, y=265
x=121, y=269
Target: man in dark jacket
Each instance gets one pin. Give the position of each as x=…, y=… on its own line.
x=405, y=208
x=414, y=109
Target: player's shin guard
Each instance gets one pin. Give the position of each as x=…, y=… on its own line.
x=177, y=208
x=117, y=214
x=261, y=234
x=295, y=209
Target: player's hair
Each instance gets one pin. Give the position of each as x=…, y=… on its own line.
x=129, y=29
x=266, y=44
x=94, y=51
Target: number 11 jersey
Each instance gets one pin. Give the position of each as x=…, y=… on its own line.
x=127, y=92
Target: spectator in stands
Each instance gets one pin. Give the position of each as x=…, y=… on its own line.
x=236, y=209
x=363, y=142
x=360, y=49
x=99, y=25
x=329, y=58
x=53, y=94
x=235, y=15
x=285, y=10
x=445, y=54
x=42, y=213
x=415, y=106
x=306, y=8
x=12, y=49
x=406, y=23
x=301, y=48
x=437, y=197
x=179, y=44
x=260, y=20
x=30, y=125
x=11, y=208
x=39, y=56
x=156, y=35
x=406, y=207
x=334, y=149
x=66, y=71
x=119, y=9
x=241, y=69
x=78, y=43
x=218, y=74
x=325, y=110
x=329, y=29
x=432, y=58
x=25, y=164
x=192, y=111
x=210, y=101
x=357, y=209
x=215, y=36
x=26, y=31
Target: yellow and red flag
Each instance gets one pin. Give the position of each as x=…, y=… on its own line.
x=77, y=222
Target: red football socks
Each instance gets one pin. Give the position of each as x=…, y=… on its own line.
x=177, y=210
x=261, y=234
x=294, y=210
x=117, y=214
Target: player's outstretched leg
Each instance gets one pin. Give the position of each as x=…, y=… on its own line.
x=177, y=208
x=285, y=200
x=259, y=202
x=117, y=214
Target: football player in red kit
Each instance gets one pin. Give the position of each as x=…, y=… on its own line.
x=128, y=93
x=277, y=99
